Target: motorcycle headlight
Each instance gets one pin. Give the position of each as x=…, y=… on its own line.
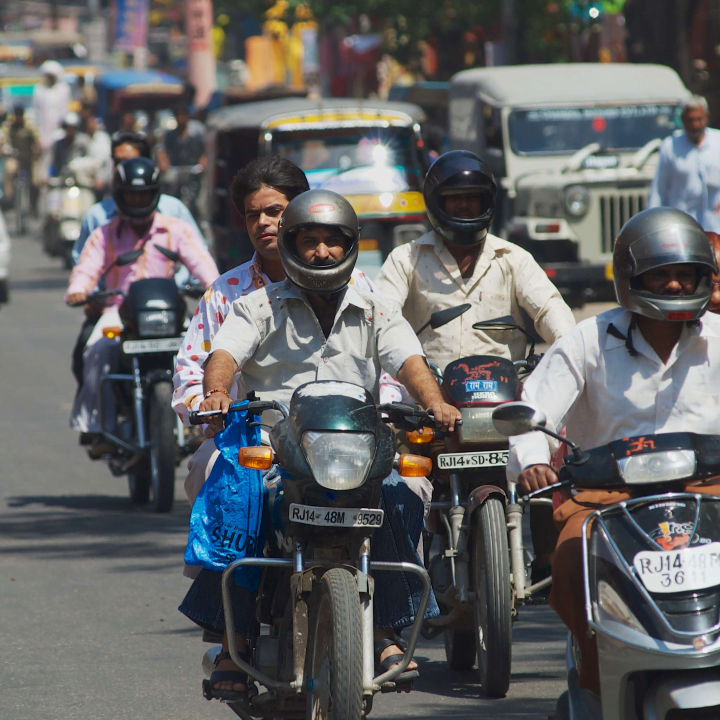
x=477, y=426
x=339, y=460
x=609, y=603
x=576, y=201
x=657, y=467
x=156, y=323
x=70, y=229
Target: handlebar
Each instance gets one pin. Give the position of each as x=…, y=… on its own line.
x=253, y=408
x=99, y=296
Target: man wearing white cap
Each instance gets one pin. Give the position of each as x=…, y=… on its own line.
x=51, y=100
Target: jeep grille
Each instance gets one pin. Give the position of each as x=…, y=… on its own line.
x=615, y=211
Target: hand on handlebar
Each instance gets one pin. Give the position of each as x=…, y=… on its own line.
x=445, y=415
x=536, y=477
x=217, y=401
x=77, y=298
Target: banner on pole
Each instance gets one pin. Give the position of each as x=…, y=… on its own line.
x=131, y=25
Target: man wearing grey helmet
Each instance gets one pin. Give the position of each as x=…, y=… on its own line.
x=315, y=325
x=650, y=366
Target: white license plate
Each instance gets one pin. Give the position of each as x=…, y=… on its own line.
x=464, y=461
x=679, y=570
x=335, y=517
x=133, y=347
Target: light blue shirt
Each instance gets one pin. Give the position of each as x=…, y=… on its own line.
x=103, y=212
x=688, y=177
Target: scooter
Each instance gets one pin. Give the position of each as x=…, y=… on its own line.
x=651, y=568
x=148, y=437
x=334, y=449
x=479, y=574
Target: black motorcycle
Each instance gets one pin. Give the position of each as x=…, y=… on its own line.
x=148, y=438
x=334, y=449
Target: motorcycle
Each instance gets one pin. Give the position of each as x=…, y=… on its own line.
x=69, y=197
x=334, y=449
x=149, y=438
x=479, y=574
x=651, y=569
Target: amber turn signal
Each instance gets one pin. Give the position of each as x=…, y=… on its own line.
x=256, y=458
x=414, y=465
x=112, y=332
x=423, y=436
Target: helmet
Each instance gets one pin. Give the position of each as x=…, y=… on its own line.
x=71, y=119
x=654, y=238
x=459, y=171
x=318, y=207
x=137, y=173
x=51, y=67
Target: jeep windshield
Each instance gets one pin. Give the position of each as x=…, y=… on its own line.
x=565, y=130
x=353, y=160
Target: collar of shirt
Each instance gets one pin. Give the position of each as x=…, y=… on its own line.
x=287, y=290
x=489, y=251
x=253, y=273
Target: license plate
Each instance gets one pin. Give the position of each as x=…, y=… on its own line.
x=679, y=570
x=463, y=461
x=332, y=517
x=133, y=347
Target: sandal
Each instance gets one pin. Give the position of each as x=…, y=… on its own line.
x=235, y=676
x=404, y=678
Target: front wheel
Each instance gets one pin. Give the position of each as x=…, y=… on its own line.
x=161, y=430
x=493, y=597
x=335, y=654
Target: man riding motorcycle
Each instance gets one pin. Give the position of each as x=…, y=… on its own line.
x=73, y=144
x=136, y=192
x=21, y=146
x=650, y=366
x=316, y=326
x=458, y=262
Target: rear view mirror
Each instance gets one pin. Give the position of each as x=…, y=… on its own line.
x=517, y=418
x=128, y=257
x=506, y=322
x=169, y=254
x=443, y=317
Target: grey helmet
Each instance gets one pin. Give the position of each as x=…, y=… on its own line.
x=318, y=207
x=654, y=238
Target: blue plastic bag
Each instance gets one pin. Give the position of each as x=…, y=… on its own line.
x=226, y=519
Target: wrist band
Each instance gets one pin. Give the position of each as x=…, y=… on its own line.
x=217, y=390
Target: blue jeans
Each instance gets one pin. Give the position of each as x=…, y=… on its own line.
x=397, y=595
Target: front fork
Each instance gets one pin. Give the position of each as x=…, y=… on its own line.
x=459, y=532
x=514, y=514
x=139, y=402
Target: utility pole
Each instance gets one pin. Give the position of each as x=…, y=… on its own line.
x=510, y=28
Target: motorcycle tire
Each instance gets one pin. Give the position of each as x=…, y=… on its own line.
x=460, y=649
x=492, y=608
x=335, y=650
x=162, y=426
x=139, y=482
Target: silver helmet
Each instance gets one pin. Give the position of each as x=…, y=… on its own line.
x=318, y=207
x=654, y=238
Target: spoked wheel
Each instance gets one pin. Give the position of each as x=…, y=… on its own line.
x=162, y=428
x=493, y=599
x=460, y=649
x=336, y=652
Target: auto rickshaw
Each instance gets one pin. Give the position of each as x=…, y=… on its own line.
x=372, y=152
x=126, y=91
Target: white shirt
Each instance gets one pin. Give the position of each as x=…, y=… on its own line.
x=275, y=338
x=688, y=177
x=589, y=383
x=423, y=277
x=51, y=105
x=210, y=314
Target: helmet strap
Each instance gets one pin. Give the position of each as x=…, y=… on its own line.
x=612, y=330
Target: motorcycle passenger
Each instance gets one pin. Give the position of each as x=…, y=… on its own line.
x=458, y=262
x=136, y=193
x=21, y=146
x=650, y=366
x=317, y=326
x=73, y=144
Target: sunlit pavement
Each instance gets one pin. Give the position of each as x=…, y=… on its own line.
x=90, y=584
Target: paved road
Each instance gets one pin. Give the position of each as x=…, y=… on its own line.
x=89, y=585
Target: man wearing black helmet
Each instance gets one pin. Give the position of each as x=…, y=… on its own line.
x=316, y=326
x=650, y=366
x=136, y=192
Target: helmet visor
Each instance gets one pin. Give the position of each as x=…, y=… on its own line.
x=318, y=245
x=465, y=202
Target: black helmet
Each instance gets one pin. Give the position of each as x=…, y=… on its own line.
x=459, y=171
x=653, y=238
x=318, y=207
x=141, y=174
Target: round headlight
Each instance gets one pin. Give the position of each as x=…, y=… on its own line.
x=577, y=201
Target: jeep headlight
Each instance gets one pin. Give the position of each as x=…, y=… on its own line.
x=577, y=201
x=339, y=460
x=156, y=323
x=657, y=467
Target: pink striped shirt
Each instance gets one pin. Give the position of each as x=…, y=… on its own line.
x=117, y=237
